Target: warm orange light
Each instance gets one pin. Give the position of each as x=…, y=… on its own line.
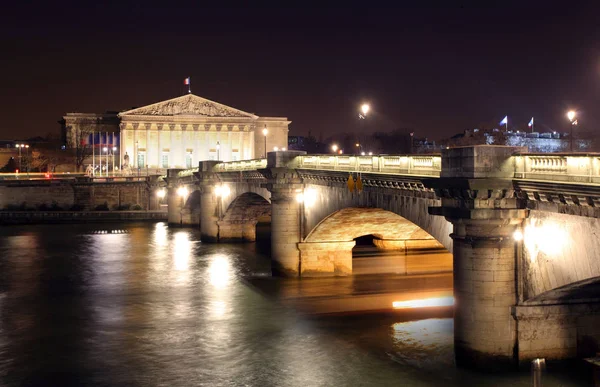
x=424, y=303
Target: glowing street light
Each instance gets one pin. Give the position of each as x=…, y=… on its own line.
x=334, y=148
x=364, y=110
x=114, y=150
x=265, y=132
x=182, y=191
x=571, y=116
x=161, y=193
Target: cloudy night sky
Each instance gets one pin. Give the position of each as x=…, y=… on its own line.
x=436, y=70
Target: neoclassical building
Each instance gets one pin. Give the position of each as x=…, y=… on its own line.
x=180, y=132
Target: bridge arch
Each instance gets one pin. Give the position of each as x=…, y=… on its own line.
x=350, y=223
x=328, y=247
x=241, y=216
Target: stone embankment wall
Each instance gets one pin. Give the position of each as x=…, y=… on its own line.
x=82, y=193
x=26, y=217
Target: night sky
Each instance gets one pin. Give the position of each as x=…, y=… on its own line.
x=434, y=70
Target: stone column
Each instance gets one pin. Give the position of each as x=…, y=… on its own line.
x=147, y=126
x=478, y=198
x=159, y=145
x=172, y=161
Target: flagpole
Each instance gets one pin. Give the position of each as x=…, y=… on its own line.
x=93, y=153
x=189, y=85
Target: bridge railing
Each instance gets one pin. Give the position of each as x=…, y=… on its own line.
x=574, y=168
x=421, y=165
x=242, y=165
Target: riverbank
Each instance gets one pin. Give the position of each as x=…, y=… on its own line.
x=64, y=217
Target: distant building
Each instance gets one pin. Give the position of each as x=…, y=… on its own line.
x=178, y=133
x=535, y=142
x=296, y=143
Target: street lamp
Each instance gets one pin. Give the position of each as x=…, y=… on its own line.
x=114, y=150
x=265, y=132
x=105, y=150
x=358, y=146
x=571, y=116
x=27, y=147
x=19, y=146
x=334, y=148
x=218, y=150
x=364, y=110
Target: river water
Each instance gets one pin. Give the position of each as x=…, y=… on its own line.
x=145, y=305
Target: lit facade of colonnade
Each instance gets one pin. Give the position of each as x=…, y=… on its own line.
x=180, y=132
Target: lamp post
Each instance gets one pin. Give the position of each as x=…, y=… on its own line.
x=114, y=150
x=265, y=132
x=105, y=150
x=334, y=148
x=359, y=147
x=19, y=146
x=218, y=150
x=571, y=116
x=27, y=158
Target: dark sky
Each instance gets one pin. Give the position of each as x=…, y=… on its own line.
x=436, y=70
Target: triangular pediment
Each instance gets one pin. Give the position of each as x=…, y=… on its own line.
x=188, y=104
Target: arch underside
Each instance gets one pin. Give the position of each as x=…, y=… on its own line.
x=328, y=247
x=350, y=223
x=586, y=290
x=242, y=215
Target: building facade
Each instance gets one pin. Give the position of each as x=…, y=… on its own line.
x=180, y=132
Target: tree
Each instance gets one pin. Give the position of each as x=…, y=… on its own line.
x=10, y=167
x=37, y=161
x=78, y=141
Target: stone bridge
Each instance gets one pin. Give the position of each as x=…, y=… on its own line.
x=523, y=229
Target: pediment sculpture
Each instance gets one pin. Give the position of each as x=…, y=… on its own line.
x=188, y=104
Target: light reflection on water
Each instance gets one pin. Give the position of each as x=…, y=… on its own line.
x=154, y=306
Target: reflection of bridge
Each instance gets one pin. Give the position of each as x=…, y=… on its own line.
x=523, y=230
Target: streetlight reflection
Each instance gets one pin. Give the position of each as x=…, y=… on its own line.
x=182, y=251
x=219, y=272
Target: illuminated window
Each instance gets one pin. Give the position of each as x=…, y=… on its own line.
x=165, y=160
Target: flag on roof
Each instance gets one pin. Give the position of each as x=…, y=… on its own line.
x=530, y=124
x=186, y=81
x=504, y=121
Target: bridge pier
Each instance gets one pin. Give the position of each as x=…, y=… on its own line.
x=326, y=259
x=237, y=231
x=286, y=217
x=478, y=198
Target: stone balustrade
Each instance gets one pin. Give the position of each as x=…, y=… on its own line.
x=576, y=168
x=242, y=165
x=422, y=165
x=425, y=165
